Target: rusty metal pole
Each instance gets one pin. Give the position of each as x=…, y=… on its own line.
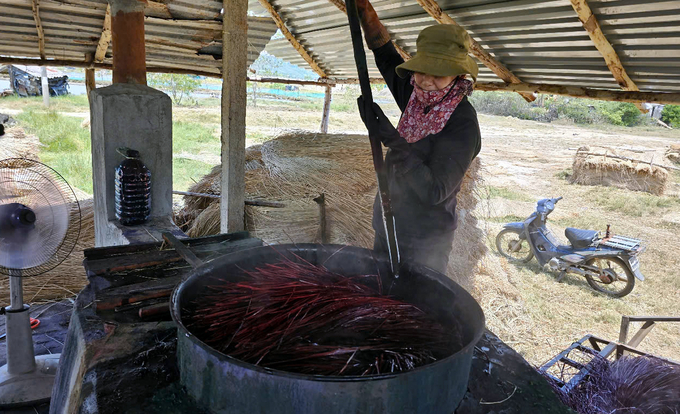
x=127, y=28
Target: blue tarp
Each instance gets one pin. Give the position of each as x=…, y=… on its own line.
x=26, y=82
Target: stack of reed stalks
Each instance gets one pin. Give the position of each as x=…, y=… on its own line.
x=294, y=169
x=605, y=166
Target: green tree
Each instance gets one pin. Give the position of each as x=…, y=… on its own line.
x=671, y=115
x=178, y=86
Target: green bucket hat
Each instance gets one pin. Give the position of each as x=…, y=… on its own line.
x=442, y=50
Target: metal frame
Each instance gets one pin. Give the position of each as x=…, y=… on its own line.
x=599, y=348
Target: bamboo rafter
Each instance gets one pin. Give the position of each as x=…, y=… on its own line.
x=433, y=9
x=292, y=39
x=35, y=5
x=105, y=38
x=592, y=26
x=573, y=91
x=340, y=4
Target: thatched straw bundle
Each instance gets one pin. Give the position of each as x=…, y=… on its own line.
x=673, y=153
x=65, y=280
x=629, y=385
x=604, y=166
x=294, y=169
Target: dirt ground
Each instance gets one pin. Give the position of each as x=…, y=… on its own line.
x=524, y=161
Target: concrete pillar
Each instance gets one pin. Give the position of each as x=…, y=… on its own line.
x=139, y=117
x=127, y=36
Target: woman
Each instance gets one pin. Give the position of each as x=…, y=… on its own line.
x=436, y=139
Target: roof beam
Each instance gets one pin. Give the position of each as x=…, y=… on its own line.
x=105, y=38
x=592, y=26
x=35, y=5
x=433, y=9
x=573, y=91
x=292, y=39
x=340, y=4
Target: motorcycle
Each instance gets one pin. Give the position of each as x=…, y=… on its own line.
x=610, y=264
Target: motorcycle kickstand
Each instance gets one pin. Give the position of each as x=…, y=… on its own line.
x=561, y=276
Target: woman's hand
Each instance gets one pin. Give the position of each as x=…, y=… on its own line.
x=379, y=125
x=374, y=32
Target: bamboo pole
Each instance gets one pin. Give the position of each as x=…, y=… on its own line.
x=433, y=9
x=326, y=109
x=611, y=58
x=667, y=98
x=619, y=157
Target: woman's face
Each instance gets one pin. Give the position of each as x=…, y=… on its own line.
x=432, y=83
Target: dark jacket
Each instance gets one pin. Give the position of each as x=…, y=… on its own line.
x=423, y=184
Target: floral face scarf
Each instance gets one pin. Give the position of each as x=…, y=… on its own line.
x=428, y=111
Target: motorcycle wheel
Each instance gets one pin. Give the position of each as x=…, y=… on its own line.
x=505, y=241
x=610, y=267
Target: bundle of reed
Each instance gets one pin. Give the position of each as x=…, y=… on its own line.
x=629, y=385
x=295, y=168
x=609, y=167
x=298, y=317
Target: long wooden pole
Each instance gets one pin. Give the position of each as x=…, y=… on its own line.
x=611, y=58
x=326, y=109
x=433, y=9
x=666, y=98
x=234, y=100
x=376, y=145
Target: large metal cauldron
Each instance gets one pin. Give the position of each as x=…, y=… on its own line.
x=226, y=385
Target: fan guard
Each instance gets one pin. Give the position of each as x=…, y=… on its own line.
x=36, y=250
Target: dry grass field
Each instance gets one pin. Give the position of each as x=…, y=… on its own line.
x=522, y=162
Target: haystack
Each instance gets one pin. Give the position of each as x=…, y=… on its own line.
x=618, y=168
x=65, y=280
x=673, y=153
x=294, y=168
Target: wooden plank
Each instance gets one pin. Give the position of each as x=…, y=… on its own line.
x=105, y=38
x=623, y=331
x=433, y=9
x=641, y=334
x=234, y=100
x=340, y=4
x=182, y=250
x=35, y=5
x=611, y=58
x=326, y=109
x=291, y=38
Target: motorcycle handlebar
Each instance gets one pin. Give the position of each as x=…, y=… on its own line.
x=558, y=199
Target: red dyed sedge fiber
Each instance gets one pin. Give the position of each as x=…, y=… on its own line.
x=298, y=317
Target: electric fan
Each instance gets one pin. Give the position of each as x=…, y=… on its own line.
x=39, y=227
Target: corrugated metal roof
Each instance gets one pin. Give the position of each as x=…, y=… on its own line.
x=179, y=34
x=540, y=41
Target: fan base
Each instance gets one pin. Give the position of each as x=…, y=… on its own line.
x=29, y=388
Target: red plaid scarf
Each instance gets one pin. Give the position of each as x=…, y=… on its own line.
x=415, y=124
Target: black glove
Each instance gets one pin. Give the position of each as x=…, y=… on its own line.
x=379, y=126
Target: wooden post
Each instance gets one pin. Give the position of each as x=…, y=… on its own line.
x=45, y=86
x=90, y=83
x=326, y=109
x=255, y=94
x=127, y=32
x=234, y=99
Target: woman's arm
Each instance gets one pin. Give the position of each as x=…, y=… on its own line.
x=386, y=56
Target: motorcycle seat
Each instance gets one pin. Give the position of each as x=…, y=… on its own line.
x=579, y=238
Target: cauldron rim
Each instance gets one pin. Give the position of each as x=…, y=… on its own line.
x=175, y=312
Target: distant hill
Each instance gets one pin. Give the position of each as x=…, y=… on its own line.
x=270, y=66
